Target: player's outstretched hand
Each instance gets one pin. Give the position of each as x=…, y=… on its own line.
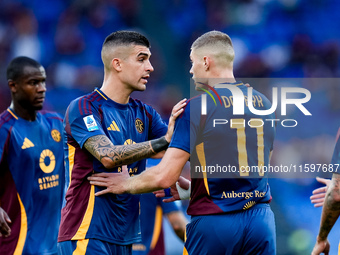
x=113, y=182
x=5, y=230
x=319, y=194
x=176, y=111
x=321, y=247
x=182, y=183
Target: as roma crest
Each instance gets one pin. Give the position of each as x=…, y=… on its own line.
x=56, y=135
x=139, y=125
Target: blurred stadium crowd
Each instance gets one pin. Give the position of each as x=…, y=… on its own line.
x=272, y=39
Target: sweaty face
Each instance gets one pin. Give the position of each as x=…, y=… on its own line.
x=29, y=89
x=197, y=69
x=136, y=68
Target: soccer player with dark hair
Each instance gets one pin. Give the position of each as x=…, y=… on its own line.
x=31, y=165
x=104, y=130
x=230, y=211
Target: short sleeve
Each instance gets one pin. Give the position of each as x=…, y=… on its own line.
x=82, y=121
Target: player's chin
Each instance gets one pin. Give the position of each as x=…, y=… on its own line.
x=141, y=87
x=38, y=107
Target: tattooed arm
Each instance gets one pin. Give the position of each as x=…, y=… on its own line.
x=111, y=156
x=330, y=214
x=101, y=147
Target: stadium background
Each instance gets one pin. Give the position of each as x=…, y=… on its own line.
x=272, y=38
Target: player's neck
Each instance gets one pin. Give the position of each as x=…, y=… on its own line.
x=23, y=112
x=221, y=76
x=116, y=92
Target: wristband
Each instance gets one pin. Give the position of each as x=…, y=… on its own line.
x=183, y=193
x=159, y=144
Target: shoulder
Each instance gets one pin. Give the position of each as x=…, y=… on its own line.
x=94, y=96
x=84, y=104
x=259, y=96
x=241, y=90
x=51, y=121
x=193, y=103
x=51, y=115
x=6, y=120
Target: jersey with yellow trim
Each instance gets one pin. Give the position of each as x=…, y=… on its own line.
x=222, y=147
x=31, y=181
x=111, y=218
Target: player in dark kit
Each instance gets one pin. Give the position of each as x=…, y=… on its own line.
x=230, y=210
x=103, y=131
x=31, y=165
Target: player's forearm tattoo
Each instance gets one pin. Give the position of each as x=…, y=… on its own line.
x=332, y=210
x=100, y=146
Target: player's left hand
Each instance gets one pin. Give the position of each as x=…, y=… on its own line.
x=176, y=111
x=114, y=182
x=319, y=194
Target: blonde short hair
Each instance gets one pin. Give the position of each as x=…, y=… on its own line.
x=217, y=44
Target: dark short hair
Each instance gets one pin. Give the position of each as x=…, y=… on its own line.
x=119, y=38
x=15, y=69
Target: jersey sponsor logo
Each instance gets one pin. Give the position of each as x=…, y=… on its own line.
x=27, y=144
x=48, y=182
x=113, y=127
x=90, y=123
x=139, y=125
x=47, y=161
x=56, y=135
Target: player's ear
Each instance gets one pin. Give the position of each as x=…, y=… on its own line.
x=12, y=86
x=116, y=64
x=206, y=63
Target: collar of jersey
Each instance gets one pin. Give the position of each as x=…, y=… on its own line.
x=111, y=102
x=12, y=113
x=27, y=122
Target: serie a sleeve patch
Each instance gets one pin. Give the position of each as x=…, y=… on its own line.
x=90, y=123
